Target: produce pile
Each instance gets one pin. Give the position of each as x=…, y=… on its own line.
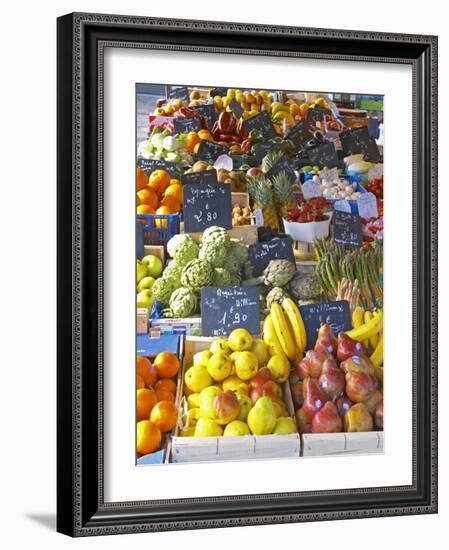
x=234, y=388
x=279, y=381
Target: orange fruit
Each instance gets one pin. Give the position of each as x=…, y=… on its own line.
x=139, y=382
x=303, y=108
x=167, y=364
x=145, y=209
x=146, y=400
x=162, y=210
x=165, y=395
x=164, y=415
x=171, y=202
x=166, y=384
x=141, y=179
x=148, y=196
x=175, y=181
x=205, y=134
x=192, y=140
x=176, y=191
x=146, y=370
x=148, y=437
x=159, y=180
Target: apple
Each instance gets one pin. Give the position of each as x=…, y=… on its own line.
x=145, y=298
x=141, y=271
x=253, y=172
x=145, y=283
x=153, y=264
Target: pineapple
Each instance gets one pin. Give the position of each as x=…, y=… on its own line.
x=259, y=187
x=284, y=193
x=270, y=160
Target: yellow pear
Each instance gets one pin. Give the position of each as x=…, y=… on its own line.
x=279, y=366
x=240, y=340
x=260, y=350
x=235, y=384
x=246, y=365
x=285, y=425
x=207, y=396
x=220, y=344
x=219, y=366
x=262, y=417
x=197, y=378
x=245, y=406
x=236, y=427
x=205, y=427
x=201, y=357
x=193, y=400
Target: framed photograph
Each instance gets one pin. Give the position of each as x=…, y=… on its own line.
x=239, y=294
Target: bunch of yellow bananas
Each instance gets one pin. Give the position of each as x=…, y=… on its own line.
x=283, y=330
x=368, y=329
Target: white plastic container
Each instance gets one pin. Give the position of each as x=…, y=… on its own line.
x=309, y=231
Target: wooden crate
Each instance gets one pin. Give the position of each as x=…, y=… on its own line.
x=342, y=444
x=200, y=449
x=240, y=199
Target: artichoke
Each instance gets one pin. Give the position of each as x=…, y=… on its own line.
x=277, y=273
x=239, y=251
x=232, y=264
x=183, y=302
x=173, y=272
x=217, y=235
x=162, y=289
x=221, y=277
x=182, y=248
x=304, y=286
x=276, y=294
x=213, y=254
x=235, y=280
x=196, y=275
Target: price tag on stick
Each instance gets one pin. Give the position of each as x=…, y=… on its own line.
x=367, y=205
x=236, y=108
x=209, y=151
x=208, y=112
x=178, y=92
x=150, y=165
x=263, y=123
x=224, y=309
x=206, y=176
x=205, y=205
x=184, y=125
x=335, y=314
x=324, y=155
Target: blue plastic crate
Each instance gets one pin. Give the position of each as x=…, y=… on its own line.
x=169, y=226
x=352, y=203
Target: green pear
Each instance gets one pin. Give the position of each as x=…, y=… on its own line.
x=153, y=264
x=146, y=283
x=145, y=298
x=141, y=271
x=262, y=417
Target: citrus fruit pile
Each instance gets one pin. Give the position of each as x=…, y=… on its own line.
x=158, y=193
x=156, y=412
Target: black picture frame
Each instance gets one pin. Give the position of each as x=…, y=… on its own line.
x=81, y=509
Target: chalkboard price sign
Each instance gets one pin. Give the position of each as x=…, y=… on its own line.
x=224, y=309
x=184, y=125
x=336, y=314
x=347, y=229
x=282, y=165
x=370, y=150
x=324, y=155
x=263, y=124
x=150, y=165
x=178, y=92
x=317, y=114
x=260, y=254
x=205, y=205
x=208, y=112
x=206, y=176
x=236, y=108
x=300, y=133
x=261, y=149
x=209, y=151
x=218, y=91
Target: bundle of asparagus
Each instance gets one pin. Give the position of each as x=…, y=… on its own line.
x=362, y=265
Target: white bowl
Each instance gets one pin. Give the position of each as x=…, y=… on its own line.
x=309, y=231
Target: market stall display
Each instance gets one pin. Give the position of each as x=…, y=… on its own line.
x=267, y=211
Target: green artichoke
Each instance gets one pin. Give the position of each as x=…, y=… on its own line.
x=173, y=272
x=232, y=264
x=217, y=235
x=196, y=275
x=221, y=277
x=277, y=273
x=213, y=254
x=183, y=302
x=239, y=251
x=276, y=294
x=304, y=286
x=235, y=280
x=182, y=248
x=162, y=289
